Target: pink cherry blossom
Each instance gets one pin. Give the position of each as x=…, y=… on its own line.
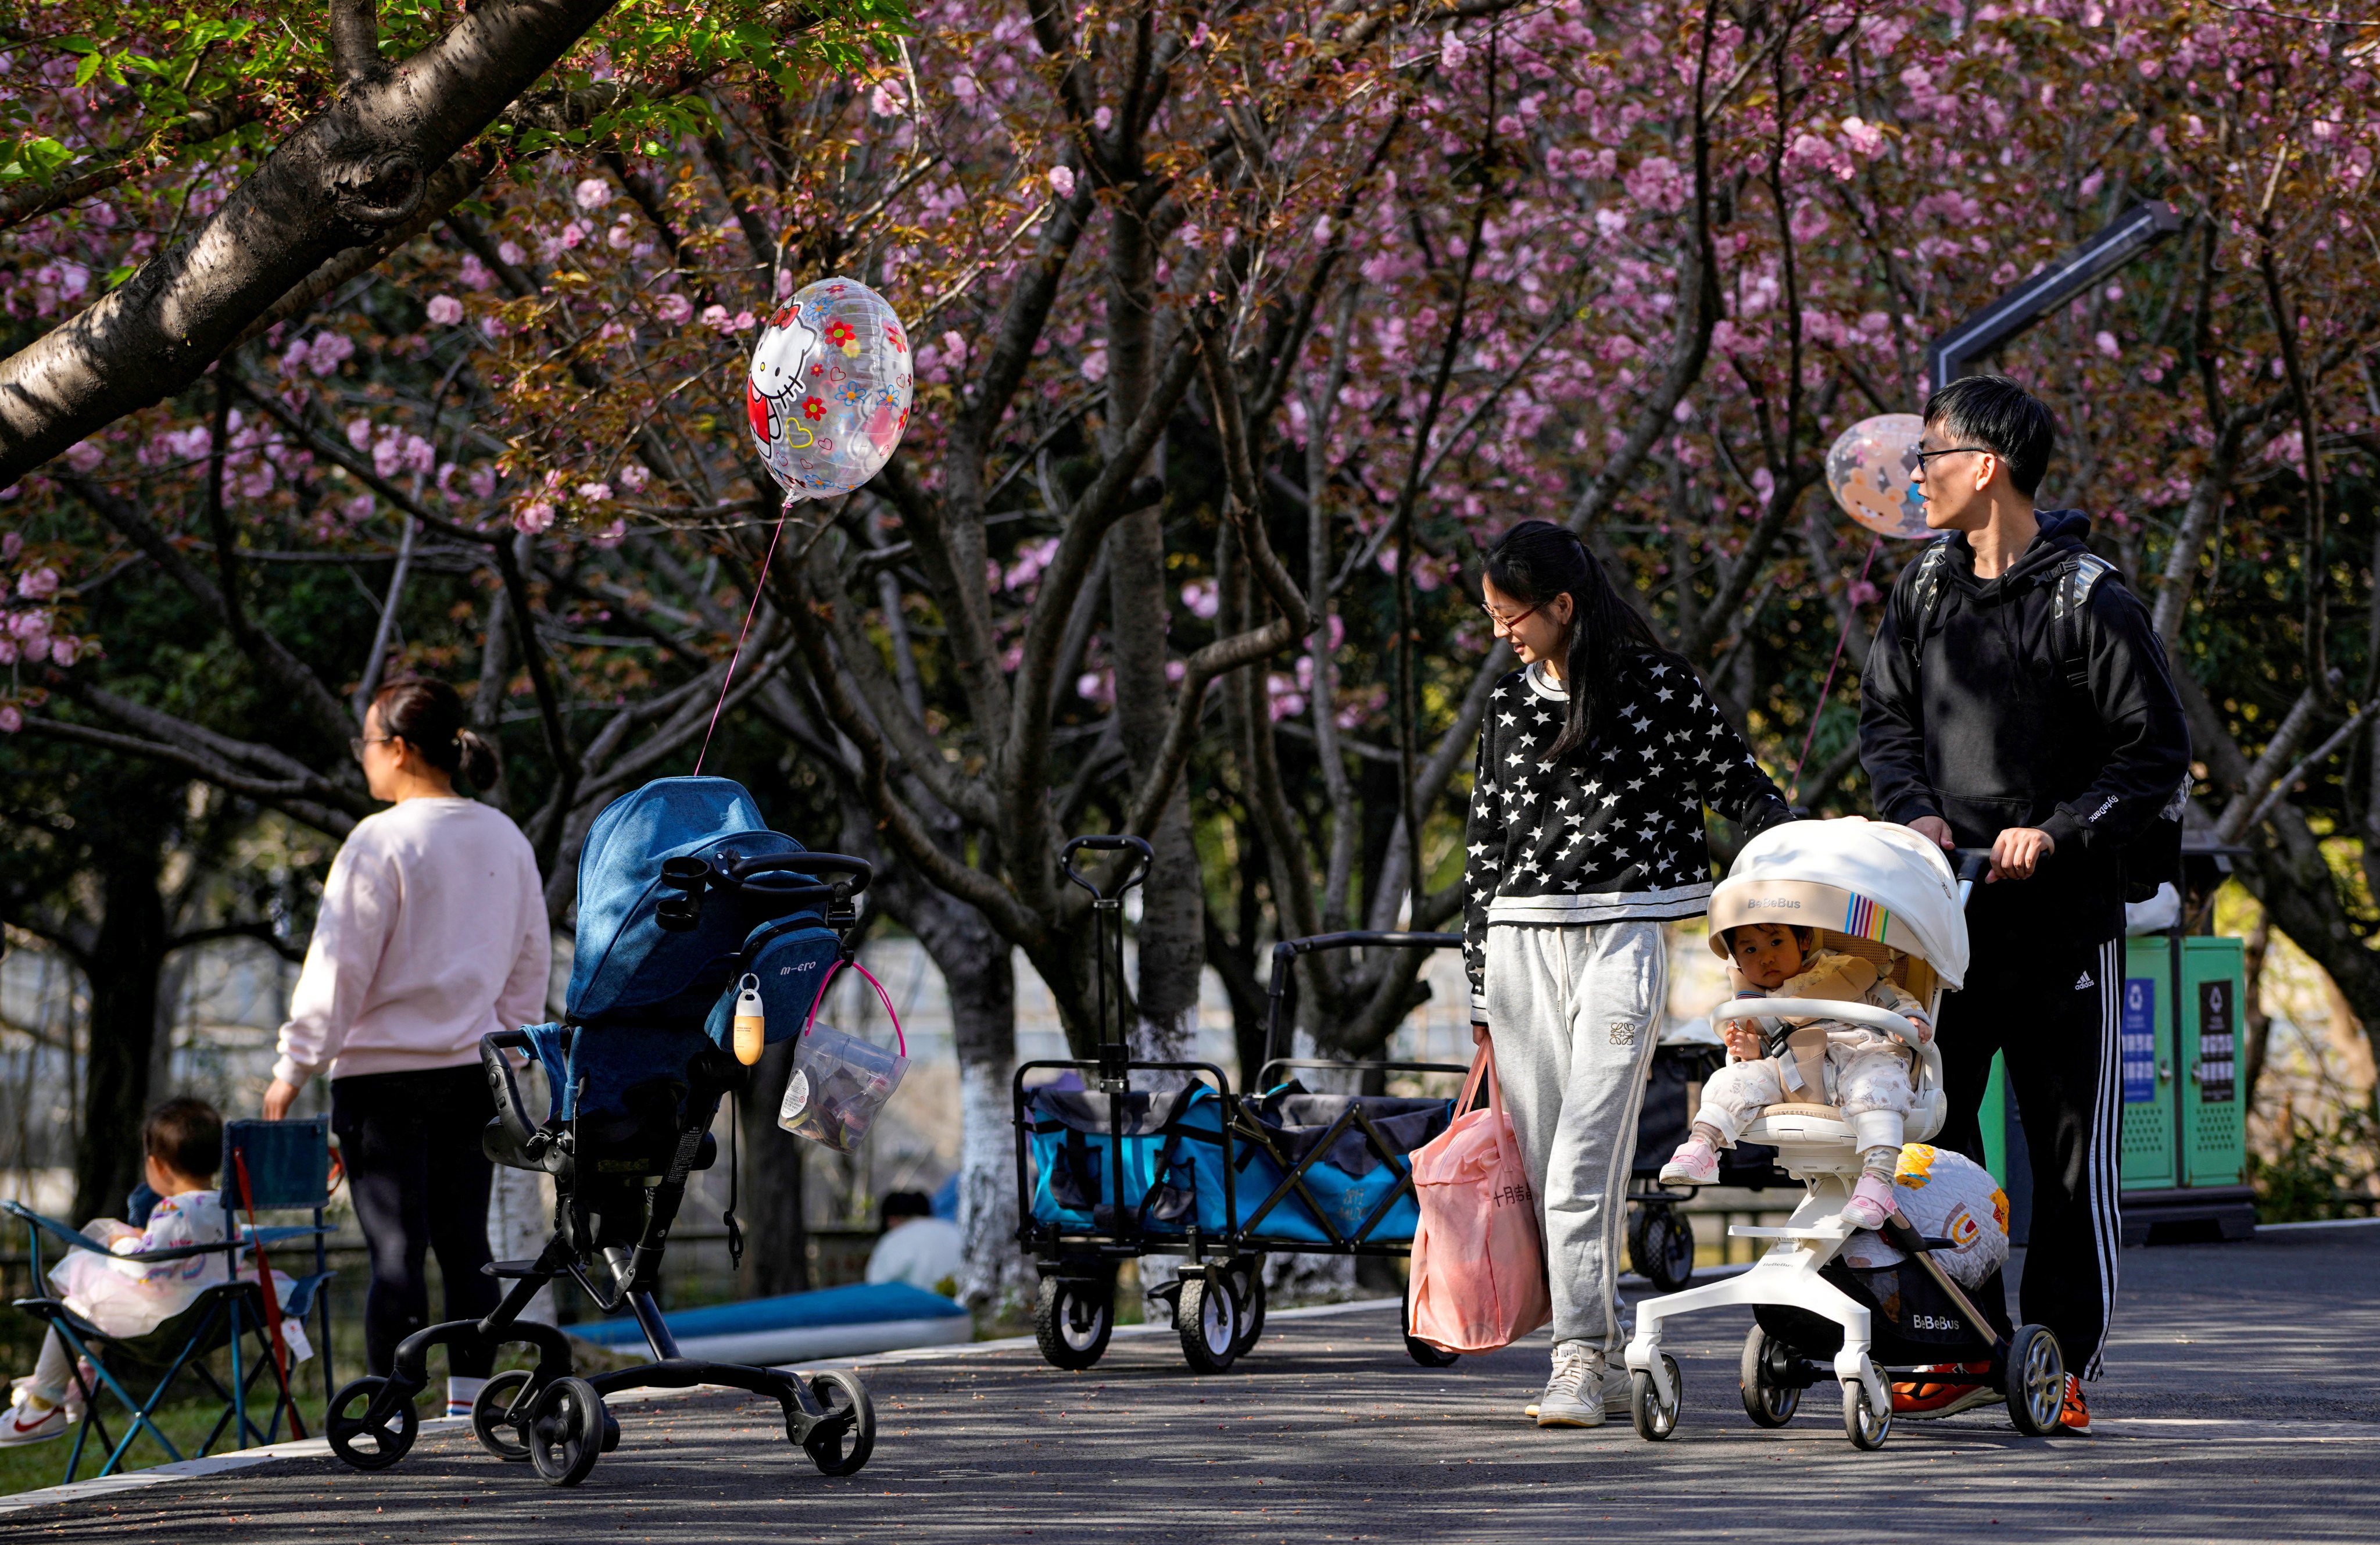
x=591, y=193
x=444, y=309
x=1062, y=181
x=38, y=584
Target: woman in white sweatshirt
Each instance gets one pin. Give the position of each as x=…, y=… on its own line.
x=432, y=934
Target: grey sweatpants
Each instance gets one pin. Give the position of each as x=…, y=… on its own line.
x=1573, y=1014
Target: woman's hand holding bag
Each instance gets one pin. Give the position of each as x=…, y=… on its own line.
x=1479, y=1266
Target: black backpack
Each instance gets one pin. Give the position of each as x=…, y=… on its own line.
x=2154, y=855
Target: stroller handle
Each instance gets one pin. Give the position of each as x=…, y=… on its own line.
x=743, y=870
x=1971, y=864
x=1868, y=1015
x=1136, y=869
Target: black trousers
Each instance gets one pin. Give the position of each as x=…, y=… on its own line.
x=2051, y=1008
x=410, y=1142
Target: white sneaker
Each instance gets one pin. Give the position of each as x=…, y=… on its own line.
x=1694, y=1163
x=1615, y=1389
x=1574, y=1395
x=23, y=1424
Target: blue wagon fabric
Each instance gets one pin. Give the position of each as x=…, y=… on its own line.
x=1172, y=1162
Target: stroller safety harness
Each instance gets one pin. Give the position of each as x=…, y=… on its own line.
x=682, y=892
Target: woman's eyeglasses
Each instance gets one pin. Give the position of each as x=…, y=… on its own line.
x=356, y=744
x=1504, y=624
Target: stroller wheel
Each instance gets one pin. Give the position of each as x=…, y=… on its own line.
x=1866, y=1427
x=1653, y=1418
x=491, y=1417
x=1209, y=1323
x=2035, y=1381
x=842, y=1449
x=1418, y=1349
x=1661, y=1247
x=1073, y=1317
x=1244, y=1281
x=1427, y=1356
x=1767, y=1399
x=565, y=1431
x=366, y=1444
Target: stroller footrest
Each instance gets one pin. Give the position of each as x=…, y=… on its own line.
x=512, y=1269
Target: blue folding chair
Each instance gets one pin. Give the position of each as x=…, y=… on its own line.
x=287, y=1166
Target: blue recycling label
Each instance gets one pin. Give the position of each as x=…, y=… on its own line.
x=2139, y=1041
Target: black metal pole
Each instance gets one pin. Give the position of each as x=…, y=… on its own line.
x=1983, y=332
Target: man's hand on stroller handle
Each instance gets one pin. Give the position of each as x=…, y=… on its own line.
x=2017, y=851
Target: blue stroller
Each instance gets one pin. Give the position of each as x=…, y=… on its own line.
x=682, y=892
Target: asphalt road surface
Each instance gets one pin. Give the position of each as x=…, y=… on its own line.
x=2241, y=1403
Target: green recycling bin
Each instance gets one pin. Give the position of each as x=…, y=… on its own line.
x=2183, y=1148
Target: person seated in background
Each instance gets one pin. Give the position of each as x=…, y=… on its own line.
x=182, y=1150
x=917, y=1248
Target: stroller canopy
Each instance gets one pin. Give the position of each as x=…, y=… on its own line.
x=1867, y=878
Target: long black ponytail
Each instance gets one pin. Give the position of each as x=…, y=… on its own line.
x=1536, y=560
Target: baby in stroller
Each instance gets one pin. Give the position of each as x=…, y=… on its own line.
x=1866, y=1073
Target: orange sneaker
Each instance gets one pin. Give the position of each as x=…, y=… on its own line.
x=2074, y=1416
x=1937, y=1397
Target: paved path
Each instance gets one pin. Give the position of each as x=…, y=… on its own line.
x=2242, y=1404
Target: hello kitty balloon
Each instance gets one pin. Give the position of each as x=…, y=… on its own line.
x=828, y=389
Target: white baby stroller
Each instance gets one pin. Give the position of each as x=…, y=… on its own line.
x=1888, y=896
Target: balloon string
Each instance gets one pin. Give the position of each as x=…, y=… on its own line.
x=759, y=581
x=1840, y=639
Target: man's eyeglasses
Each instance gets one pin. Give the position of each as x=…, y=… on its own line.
x=1504, y=624
x=1925, y=456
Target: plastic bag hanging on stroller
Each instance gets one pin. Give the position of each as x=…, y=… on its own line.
x=682, y=889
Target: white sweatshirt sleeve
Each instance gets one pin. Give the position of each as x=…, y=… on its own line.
x=360, y=905
x=523, y=1000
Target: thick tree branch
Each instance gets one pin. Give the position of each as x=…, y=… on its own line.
x=339, y=180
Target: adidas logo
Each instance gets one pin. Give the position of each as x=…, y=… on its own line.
x=2083, y=982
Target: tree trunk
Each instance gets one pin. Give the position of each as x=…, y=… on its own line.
x=998, y=1281
x=769, y=1203
x=127, y=961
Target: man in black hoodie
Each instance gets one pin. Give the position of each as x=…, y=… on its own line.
x=1991, y=717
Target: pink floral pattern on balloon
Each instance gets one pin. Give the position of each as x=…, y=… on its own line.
x=1869, y=469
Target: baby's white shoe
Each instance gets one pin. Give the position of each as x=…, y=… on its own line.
x=1694, y=1163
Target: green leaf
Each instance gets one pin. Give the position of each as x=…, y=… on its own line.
x=89, y=67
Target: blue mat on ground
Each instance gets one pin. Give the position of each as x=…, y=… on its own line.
x=795, y=1327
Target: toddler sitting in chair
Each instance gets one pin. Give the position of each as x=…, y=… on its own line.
x=183, y=1146
x=1863, y=1072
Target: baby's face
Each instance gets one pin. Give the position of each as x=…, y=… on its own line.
x=1765, y=952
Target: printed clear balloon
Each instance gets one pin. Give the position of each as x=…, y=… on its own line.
x=828, y=389
x=1870, y=469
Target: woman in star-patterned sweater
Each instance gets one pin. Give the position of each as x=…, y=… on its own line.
x=1596, y=761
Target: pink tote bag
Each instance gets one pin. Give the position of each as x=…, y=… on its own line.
x=1478, y=1267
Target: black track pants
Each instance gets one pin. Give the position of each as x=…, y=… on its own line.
x=2052, y=1008
x=411, y=1145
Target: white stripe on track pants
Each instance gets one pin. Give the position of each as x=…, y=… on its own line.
x=1573, y=1014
